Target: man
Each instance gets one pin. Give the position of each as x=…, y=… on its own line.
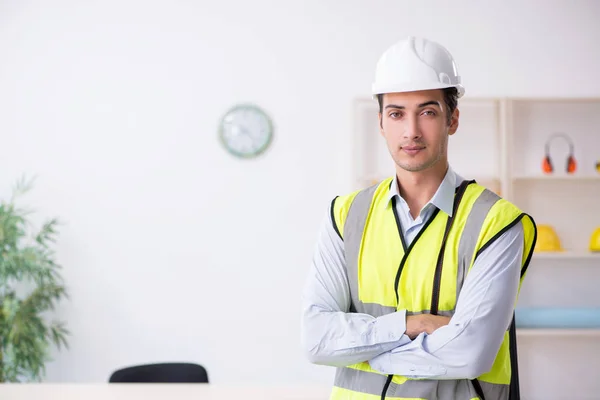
x=414, y=281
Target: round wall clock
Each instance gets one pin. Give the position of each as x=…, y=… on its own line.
x=246, y=131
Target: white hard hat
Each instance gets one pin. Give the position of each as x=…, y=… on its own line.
x=416, y=64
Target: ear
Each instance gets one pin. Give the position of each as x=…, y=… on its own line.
x=454, y=122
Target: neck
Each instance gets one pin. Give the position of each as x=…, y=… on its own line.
x=417, y=188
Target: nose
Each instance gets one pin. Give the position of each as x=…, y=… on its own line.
x=412, y=130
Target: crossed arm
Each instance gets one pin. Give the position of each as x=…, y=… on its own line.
x=425, y=346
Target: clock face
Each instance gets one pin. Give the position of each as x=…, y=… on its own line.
x=246, y=131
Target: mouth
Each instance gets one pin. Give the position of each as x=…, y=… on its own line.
x=412, y=150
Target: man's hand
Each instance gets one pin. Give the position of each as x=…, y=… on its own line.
x=417, y=324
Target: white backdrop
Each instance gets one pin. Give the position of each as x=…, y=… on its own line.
x=172, y=249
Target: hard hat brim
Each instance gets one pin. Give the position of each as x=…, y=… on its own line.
x=404, y=87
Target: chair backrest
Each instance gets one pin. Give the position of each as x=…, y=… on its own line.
x=161, y=373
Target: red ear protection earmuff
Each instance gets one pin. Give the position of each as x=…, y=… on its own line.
x=571, y=165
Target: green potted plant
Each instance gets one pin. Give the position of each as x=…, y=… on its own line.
x=30, y=287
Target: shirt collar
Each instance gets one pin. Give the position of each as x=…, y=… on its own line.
x=444, y=195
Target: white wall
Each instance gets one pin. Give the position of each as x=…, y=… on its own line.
x=172, y=249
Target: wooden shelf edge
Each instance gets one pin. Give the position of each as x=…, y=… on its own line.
x=556, y=178
x=580, y=332
x=566, y=255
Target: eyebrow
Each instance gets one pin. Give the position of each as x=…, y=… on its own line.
x=427, y=103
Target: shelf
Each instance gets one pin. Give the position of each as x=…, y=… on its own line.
x=583, y=332
x=561, y=178
x=566, y=255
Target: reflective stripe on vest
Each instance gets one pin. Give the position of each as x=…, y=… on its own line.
x=351, y=381
x=372, y=383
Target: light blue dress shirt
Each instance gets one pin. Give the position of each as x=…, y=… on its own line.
x=464, y=349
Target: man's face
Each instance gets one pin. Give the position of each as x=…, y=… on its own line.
x=415, y=127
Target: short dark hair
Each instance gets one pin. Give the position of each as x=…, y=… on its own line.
x=450, y=98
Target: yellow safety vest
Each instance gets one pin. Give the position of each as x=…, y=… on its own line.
x=385, y=276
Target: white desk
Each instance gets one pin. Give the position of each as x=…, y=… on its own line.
x=159, y=392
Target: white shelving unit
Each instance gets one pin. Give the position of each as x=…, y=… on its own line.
x=501, y=144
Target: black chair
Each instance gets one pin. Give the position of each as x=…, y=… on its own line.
x=161, y=373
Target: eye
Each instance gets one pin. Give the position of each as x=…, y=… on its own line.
x=395, y=114
x=429, y=113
